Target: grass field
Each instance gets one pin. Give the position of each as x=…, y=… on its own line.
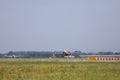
x=58, y=69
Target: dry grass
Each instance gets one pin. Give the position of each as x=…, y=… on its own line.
x=57, y=69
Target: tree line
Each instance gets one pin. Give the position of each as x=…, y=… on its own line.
x=47, y=54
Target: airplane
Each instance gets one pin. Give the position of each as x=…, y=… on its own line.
x=12, y=56
x=67, y=54
x=62, y=54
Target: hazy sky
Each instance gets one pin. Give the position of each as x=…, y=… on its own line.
x=44, y=25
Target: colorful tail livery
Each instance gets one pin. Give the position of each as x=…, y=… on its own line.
x=65, y=52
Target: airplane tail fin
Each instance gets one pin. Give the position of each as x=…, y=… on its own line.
x=65, y=52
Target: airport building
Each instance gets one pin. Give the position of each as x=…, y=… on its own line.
x=102, y=57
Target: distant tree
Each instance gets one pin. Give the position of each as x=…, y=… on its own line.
x=105, y=53
x=10, y=53
x=117, y=53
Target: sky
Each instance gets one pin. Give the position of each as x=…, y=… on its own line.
x=45, y=25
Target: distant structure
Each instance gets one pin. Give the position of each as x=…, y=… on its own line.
x=102, y=57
